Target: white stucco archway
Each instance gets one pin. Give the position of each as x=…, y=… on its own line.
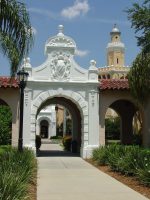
x=75, y=98
x=60, y=76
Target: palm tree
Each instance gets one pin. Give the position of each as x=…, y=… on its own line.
x=15, y=32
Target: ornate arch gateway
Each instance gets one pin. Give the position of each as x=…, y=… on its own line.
x=61, y=77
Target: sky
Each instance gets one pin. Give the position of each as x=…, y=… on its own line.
x=88, y=22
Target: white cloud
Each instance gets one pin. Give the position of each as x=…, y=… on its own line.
x=79, y=8
x=43, y=12
x=81, y=53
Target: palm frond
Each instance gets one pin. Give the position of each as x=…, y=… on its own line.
x=15, y=31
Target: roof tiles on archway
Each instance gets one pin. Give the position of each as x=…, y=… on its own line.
x=114, y=84
x=105, y=84
x=8, y=82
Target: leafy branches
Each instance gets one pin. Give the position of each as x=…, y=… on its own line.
x=15, y=31
x=139, y=78
x=139, y=15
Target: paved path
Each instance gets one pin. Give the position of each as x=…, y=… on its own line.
x=65, y=177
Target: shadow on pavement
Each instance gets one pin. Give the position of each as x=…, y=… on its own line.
x=56, y=153
x=50, y=149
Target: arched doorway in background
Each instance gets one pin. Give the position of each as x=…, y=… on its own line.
x=44, y=126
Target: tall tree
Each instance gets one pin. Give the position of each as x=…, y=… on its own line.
x=139, y=15
x=139, y=75
x=139, y=78
x=15, y=32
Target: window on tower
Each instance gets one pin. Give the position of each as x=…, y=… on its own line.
x=117, y=60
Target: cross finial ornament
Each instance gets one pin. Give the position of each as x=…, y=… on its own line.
x=60, y=30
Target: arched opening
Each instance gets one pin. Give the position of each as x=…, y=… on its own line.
x=103, y=77
x=99, y=77
x=5, y=123
x=124, y=111
x=44, y=129
x=112, y=127
x=68, y=121
x=3, y=103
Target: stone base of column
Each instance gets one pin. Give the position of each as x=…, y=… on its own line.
x=86, y=152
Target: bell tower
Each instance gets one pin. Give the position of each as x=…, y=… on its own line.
x=115, y=49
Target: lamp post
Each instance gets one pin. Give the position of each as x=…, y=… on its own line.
x=22, y=77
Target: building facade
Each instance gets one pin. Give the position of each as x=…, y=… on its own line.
x=61, y=81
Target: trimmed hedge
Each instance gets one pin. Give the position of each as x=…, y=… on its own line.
x=128, y=160
x=57, y=137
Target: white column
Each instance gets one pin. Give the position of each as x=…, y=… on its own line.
x=27, y=118
x=93, y=118
x=37, y=127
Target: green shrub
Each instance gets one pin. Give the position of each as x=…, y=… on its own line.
x=4, y=148
x=143, y=167
x=38, y=142
x=56, y=137
x=16, y=172
x=143, y=175
x=129, y=160
x=67, y=142
x=5, y=125
x=100, y=155
x=115, y=153
x=137, y=139
x=127, y=164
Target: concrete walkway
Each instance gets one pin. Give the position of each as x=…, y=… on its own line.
x=62, y=176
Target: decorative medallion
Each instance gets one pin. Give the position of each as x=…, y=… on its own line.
x=60, y=66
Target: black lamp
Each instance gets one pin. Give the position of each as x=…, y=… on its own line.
x=22, y=77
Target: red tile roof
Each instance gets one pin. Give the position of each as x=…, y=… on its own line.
x=8, y=82
x=105, y=84
x=114, y=84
